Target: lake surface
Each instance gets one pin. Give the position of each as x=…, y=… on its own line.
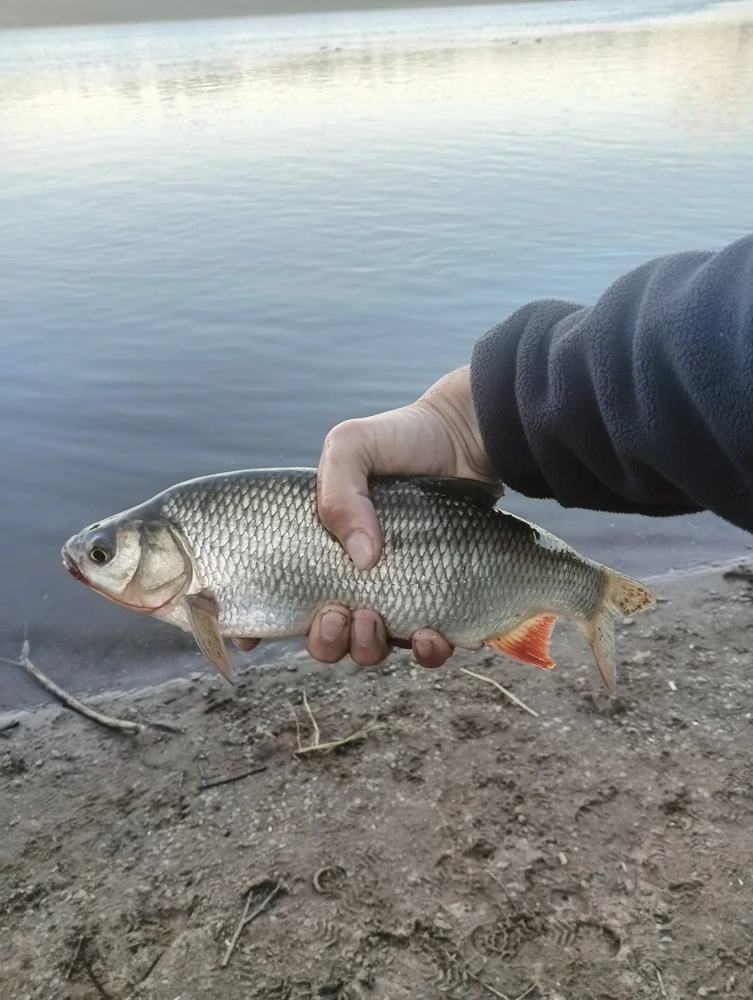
x=217, y=239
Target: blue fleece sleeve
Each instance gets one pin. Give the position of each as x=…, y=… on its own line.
x=640, y=403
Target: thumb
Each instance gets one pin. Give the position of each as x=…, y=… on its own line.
x=343, y=492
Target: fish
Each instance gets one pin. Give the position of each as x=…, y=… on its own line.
x=244, y=554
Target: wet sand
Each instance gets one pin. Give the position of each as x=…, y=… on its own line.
x=49, y=13
x=600, y=848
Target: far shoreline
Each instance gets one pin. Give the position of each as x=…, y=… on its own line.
x=21, y=14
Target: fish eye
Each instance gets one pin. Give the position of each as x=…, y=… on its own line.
x=100, y=552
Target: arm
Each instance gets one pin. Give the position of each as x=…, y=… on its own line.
x=640, y=403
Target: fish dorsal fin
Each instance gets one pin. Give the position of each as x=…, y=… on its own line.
x=472, y=491
x=528, y=641
x=202, y=611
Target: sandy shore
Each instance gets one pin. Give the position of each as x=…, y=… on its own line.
x=600, y=849
x=39, y=13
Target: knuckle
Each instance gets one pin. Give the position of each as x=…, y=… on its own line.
x=345, y=437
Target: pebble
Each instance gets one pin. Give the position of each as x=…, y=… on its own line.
x=641, y=657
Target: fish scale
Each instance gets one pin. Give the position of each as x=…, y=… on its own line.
x=446, y=560
x=244, y=554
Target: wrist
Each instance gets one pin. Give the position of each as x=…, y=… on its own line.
x=450, y=405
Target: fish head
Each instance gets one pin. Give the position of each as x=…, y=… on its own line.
x=136, y=560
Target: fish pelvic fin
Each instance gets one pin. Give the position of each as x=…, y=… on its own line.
x=528, y=641
x=622, y=597
x=202, y=611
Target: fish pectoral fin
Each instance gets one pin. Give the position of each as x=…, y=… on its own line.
x=528, y=641
x=203, y=616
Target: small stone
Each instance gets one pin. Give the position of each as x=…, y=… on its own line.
x=562, y=858
x=627, y=621
x=642, y=656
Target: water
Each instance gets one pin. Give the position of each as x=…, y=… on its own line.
x=219, y=238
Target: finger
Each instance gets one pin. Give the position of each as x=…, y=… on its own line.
x=329, y=637
x=246, y=644
x=430, y=649
x=343, y=492
x=368, y=639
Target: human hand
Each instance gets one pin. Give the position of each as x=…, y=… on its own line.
x=438, y=435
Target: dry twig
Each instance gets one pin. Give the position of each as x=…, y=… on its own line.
x=108, y=721
x=228, y=778
x=122, y=725
x=76, y=954
x=247, y=917
x=95, y=982
x=153, y=966
x=508, y=694
x=530, y=989
x=661, y=982
x=165, y=727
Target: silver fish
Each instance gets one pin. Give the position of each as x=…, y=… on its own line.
x=244, y=554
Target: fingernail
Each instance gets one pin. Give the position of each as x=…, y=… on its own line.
x=364, y=632
x=423, y=647
x=360, y=549
x=333, y=625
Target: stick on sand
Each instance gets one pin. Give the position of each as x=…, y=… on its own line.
x=108, y=721
x=505, y=692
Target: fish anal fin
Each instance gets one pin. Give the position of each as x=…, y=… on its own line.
x=202, y=611
x=528, y=641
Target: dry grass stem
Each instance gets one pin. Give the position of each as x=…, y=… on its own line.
x=316, y=746
x=314, y=726
x=508, y=694
x=247, y=917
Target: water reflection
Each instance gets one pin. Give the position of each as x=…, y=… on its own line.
x=695, y=69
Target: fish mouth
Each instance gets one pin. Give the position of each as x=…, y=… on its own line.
x=73, y=569
x=70, y=565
